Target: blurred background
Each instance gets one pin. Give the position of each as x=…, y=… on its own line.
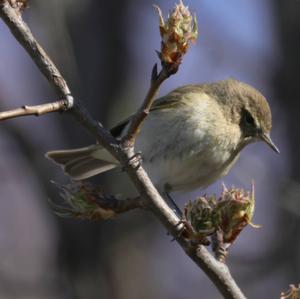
x=105, y=49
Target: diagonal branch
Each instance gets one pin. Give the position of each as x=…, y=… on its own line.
x=216, y=271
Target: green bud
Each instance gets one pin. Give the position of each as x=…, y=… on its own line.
x=227, y=215
x=200, y=214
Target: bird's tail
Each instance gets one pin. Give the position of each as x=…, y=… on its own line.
x=83, y=163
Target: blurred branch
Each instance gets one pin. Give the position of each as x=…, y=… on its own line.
x=216, y=271
x=35, y=110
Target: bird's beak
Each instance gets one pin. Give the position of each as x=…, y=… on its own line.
x=267, y=139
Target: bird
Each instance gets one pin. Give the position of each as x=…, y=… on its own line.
x=191, y=138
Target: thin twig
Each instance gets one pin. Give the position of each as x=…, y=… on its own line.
x=143, y=111
x=216, y=271
x=34, y=110
x=120, y=206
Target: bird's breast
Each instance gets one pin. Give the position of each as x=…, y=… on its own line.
x=191, y=169
x=187, y=148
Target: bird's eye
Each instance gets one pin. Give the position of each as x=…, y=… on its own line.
x=248, y=119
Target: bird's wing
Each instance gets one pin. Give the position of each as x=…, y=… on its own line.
x=159, y=104
x=177, y=97
x=165, y=102
x=169, y=101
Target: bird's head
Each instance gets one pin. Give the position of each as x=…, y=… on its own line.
x=249, y=109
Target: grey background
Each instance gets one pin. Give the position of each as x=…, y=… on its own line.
x=106, y=52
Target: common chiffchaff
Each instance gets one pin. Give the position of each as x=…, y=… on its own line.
x=191, y=138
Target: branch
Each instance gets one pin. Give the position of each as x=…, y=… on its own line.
x=35, y=110
x=218, y=272
x=215, y=270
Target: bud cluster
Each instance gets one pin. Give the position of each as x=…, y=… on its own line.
x=177, y=33
x=227, y=215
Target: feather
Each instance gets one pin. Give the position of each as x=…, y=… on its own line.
x=84, y=162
